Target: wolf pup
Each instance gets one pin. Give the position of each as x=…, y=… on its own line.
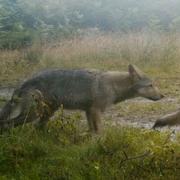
x=89, y=90
x=168, y=120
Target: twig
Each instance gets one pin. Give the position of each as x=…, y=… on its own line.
x=133, y=158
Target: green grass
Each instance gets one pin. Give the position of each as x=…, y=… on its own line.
x=64, y=151
x=119, y=153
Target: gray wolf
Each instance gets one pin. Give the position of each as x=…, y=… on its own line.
x=89, y=90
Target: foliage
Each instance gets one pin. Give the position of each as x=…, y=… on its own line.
x=15, y=31
x=25, y=21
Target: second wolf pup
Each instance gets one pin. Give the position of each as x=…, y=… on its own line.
x=168, y=120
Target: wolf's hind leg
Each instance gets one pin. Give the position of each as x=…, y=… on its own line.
x=41, y=122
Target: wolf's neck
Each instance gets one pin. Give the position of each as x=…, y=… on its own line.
x=122, y=86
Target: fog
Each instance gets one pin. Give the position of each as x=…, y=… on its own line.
x=61, y=18
x=106, y=14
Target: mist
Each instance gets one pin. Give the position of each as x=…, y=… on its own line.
x=22, y=21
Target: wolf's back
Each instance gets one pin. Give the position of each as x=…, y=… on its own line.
x=72, y=88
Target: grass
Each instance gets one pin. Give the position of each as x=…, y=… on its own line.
x=156, y=54
x=119, y=153
x=64, y=150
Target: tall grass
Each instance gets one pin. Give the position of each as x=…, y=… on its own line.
x=152, y=51
x=113, y=51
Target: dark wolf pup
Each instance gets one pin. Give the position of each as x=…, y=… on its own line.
x=89, y=90
x=168, y=120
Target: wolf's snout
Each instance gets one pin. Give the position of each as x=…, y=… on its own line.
x=159, y=97
x=156, y=98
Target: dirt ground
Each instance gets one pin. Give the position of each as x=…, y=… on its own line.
x=139, y=119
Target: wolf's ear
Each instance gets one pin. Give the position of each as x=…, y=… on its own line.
x=134, y=71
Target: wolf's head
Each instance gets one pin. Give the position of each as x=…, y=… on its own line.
x=20, y=109
x=142, y=85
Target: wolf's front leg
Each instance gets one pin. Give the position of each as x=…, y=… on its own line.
x=168, y=120
x=93, y=117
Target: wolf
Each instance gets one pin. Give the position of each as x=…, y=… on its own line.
x=168, y=120
x=91, y=91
